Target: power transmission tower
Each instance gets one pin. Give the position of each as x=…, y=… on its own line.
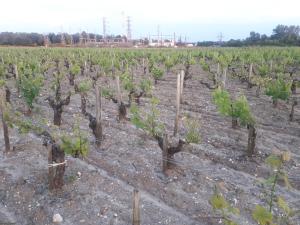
x=220, y=38
x=128, y=28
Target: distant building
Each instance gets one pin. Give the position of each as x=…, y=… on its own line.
x=161, y=43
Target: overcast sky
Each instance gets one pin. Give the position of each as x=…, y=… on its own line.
x=195, y=19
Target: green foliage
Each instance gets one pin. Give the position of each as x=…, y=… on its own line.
x=84, y=86
x=15, y=119
x=262, y=216
x=30, y=88
x=75, y=69
x=76, y=144
x=2, y=70
x=127, y=81
x=263, y=70
x=221, y=99
x=238, y=108
x=8, y=115
x=135, y=117
x=56, y=81
x=157, y=73
x=169, y=63
x=217, y=201
x=192, y=135
x=107, y=93
x=150, y=122
x=241, y=110
x=2, y=83
x=26, y=125
x=284, y=206
x=274, y=161
x=220, y=205
x=146, y=85
x=204, y=65
x=279, y=89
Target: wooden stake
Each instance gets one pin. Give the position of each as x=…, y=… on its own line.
x=56, y=166
x=224, y=77
x=218, y=70
x=136, y=208
x=147, y=67
x=85, y=66
x=177, y=105
x=4, y=124
x=144, y=67
x=250, y=75
x=118, y=90
x=181, y=85
x=165, y=154
x=50, y=168
x=98, y=131
x=17, y=78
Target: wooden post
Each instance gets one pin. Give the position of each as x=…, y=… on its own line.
x=85, y=67
x=144, y=67
x=165, y=154
x=250, y=75
x=17, y=78
x=224, y=77
x=147, y=67
x=50, y=168
x=112, y=67
x=181, y=85
x=56, y=166
x=98, y=131
x=136, y=220
x=119, y=97
x=218, y=72
x=177, y=105
x=4, y=124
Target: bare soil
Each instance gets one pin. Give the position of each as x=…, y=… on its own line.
x=128, y=158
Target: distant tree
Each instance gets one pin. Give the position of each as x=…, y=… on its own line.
x=286, y=34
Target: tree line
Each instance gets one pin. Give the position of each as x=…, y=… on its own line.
x=36, y=39
x=282, y=35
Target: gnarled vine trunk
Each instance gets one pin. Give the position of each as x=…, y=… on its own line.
x=234, y=122
x=251, y=140
x=294, y=103
x=294, y=87
x=83, y=103
x=58, y=108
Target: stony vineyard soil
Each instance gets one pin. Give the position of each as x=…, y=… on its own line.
x=101, y=193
